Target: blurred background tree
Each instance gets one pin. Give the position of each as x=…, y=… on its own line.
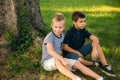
x=20, y=18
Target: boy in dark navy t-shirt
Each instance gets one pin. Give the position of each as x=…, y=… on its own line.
x=74, y=48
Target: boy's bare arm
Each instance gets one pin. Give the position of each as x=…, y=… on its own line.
x=71, y=50
x=53, y=53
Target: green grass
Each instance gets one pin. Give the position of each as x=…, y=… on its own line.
x=103, y=20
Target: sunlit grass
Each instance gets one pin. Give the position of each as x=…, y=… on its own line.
x=90, y=9
x=103, y=8
x=98, y=11
x=115, y=50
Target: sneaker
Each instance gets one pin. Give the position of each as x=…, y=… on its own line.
x=107, y=70
x=96, y=63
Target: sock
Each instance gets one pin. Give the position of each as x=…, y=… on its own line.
x=78, y=78
x=101, y=78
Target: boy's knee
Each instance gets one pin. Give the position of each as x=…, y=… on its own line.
x=77, y=63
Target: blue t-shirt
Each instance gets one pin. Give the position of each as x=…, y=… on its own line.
x=55, y=41
x=75, y=38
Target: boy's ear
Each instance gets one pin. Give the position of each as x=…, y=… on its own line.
x=73, y=22
x=51, y=24
x=64, y=25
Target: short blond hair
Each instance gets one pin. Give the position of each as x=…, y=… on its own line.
x=58, y=17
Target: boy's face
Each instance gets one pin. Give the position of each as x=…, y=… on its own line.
x=80, y=23
x=58, y=27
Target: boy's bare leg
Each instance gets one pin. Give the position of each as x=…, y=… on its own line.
x=86, y=70
x=85, y=62
x=101, y=56
x=64, y=71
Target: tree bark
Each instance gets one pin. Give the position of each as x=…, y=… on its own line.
x=7, y=16
x=8, y=19
x=34, y=17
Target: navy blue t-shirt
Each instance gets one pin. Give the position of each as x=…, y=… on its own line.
x=75, y=38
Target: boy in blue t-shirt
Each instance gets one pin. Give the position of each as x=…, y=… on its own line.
x=51, y=58
x=74, y=48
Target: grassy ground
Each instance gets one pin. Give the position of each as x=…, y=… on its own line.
x=103, y=20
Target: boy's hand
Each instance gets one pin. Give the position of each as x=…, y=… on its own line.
x=66, y=64
x=81, y=55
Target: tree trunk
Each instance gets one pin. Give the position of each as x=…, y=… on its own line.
x=7, y=16
x=34, y=18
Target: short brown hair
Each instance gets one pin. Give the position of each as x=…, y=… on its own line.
x=58, y=17
x=76, y=15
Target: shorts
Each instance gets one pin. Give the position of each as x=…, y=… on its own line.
x=49, y=64
x=85, y=50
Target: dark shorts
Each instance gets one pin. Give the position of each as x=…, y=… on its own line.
x=85, y=50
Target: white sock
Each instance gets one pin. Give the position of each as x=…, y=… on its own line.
x=78, y=78
x=101, y=78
